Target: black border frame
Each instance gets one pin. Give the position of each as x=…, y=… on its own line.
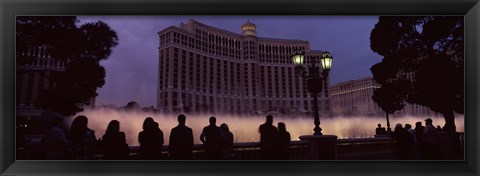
x=10, y=8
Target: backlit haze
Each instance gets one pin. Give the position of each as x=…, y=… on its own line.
x=245, y=129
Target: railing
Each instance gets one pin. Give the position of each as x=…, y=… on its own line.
x=347, y=149
x=378, y=148
x=381, y=148
x=298, y=150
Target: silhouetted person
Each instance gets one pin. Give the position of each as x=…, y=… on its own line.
x=159, y=140
x=181, y=140
x=409, y=129
x=268, y=139
x=283, y=141
x=158, y=134
x=404, y=140
x=211, y=137
x=380, y=130
x=430, y=141
x=114, y=145
x=151, y=140
x=439, y=128
x=145, y=139
x=419, y=131
x=82, y=145
x=55, y=140
x=419, y=135
x=227, y=142
x=414, y=147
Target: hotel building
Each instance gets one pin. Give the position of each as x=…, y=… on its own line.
x=32, y=77
x=211, y=70
x=354, y=97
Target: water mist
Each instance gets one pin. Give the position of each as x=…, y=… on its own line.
x=245, y=128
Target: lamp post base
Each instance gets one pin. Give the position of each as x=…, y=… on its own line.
x=322, y=147
x=317, y=131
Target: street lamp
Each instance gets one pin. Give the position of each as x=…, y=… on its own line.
x=314, y=79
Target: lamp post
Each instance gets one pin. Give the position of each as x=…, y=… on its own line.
x=314, y=79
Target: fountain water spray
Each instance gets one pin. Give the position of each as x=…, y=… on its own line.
x=245, y=128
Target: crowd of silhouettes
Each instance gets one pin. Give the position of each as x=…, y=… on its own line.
x=422, y=142
x=80, y=143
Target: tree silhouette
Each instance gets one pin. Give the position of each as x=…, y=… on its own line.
x=74, y=87
x=81, y=46
x=422, y=64
x=387, y=101
x=133, y=105
x=389, y=96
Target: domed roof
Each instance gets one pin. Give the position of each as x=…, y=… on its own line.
x=249, y=28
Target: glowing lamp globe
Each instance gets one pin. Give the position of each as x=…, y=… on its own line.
x=326, y=61
x=298, y=58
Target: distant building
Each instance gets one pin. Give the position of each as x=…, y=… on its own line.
x=32, y=77
x=354, y=97
x=207, y=69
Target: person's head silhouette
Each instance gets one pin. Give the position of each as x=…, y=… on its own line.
x=224, y=127
x=212, y=120
x=418, y=124
x=398, y=126
x=269, y=119
x=79, y=123
x=428, y=121
x=78, y=128
x=379, y=125
x=181, y=119
x=113, y=127
x=281, y=126
x=148, y=123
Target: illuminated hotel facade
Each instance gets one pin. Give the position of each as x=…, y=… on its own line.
x=354, y=97
x=211, y=70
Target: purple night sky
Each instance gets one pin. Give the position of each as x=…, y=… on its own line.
x=132, y=66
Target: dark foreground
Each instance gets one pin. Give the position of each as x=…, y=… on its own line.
x=378, y=148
